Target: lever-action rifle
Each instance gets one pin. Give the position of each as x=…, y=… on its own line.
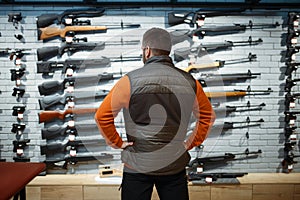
x=290, y=99
x=64, y=130
x=69, y=99
x=52, y=87
x=215, y=79
x=200, y=162
x=289, y=83
x=50, y=32
x=178, y=36
x=196, y=67
x=291, y=66
x=46, y=53
x=63, y=146
x=183, y=53
x=19, y=146
x=238, y=93
x=71, y=65
x=69, y=17
x=197, y=17
x=63, y=160
x=50, y=115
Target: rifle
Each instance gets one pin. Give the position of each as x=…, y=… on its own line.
x=67, y=130
x=291, y=53
x=183, y=53
x=198, y=16
x=71, y=65
x=63, y=160
x=293, y=20
x=238, y=93
x=50, y=115
x=212, y=177
x=196, y=67
x=21, y=158
x=16, y=75
x=178, y=36
x=18, y=111
x=289, y=83
x=291, y=116
x=214, y=79
x=69, y=99
x=50, y=32
x=290, y=132
x=14, y=54
x=19, y=146
x=239, y=108
x=292, y=37
x=15, y=18
x=18, y=128
x=51, y=87
x=46, y=53
x=63, y=146
x=290, y=99
x=69, y=17
x=202, y=162
x=291, y=66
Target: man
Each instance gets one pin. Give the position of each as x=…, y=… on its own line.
x=157, y=101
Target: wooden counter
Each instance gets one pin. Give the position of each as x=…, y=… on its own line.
x=254, y=186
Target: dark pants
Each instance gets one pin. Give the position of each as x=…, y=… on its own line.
x=136, y=186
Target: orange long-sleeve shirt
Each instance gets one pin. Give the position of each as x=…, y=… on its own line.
x=119, y=98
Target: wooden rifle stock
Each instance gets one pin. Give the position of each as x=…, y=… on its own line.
x=49, y=32
x=192, y=67
x=225, y=94
x=50, y=115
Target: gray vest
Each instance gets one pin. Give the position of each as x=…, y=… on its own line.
x=156, y=121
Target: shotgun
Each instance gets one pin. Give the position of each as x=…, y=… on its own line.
x=50, y=32
x=69, y=17
x=50, y=115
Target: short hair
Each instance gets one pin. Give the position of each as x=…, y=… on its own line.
x=159, y=40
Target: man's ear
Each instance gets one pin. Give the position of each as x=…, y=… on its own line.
x=147, y=52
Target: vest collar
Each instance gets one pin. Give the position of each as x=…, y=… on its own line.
x=164, y=60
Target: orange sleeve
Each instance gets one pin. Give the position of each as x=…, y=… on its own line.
x=205, y=117
x=116, y=99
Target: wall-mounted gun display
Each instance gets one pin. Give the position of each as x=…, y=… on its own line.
x=69, y=17
x=290, y=100
x=19, y=146
x=18, y=111
x=290, y=117
x=18, y=128
x=16, y=75
x=212, y=177
x=289, y=83
x=15, y=54
x=239, y=108
x=18, y=92
x=15, y=18
x=291, y=67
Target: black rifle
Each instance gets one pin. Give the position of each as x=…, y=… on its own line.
x=290, y=53
x=193, y=18
x=19, y=146
x=183, y=53
x=15, y=18
x=291, y=66
x=215, y=79
x=239, y=108
x=290, y=132
x=18, y=92
x=222, y=159
x=232, y=125
x=64, y=130
x=63, y=146
x=14, y=54
x=293, y=20
x=16, y=75
x=46, y=53
x=69, y=99
x=47, y=67
x=289, y=83
x=212, y=177
x=52, y=87
x=290, y=99
x=18, y=111
x=178, y=36
x=292, y=37
x=21, y=158
x=72, y=14
x=289, y=146
x=63, y=160
x=18, y=128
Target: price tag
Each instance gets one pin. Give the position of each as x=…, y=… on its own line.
x=71, y=123
x=200, y=22
x=72, y=137
x=20, y=115
x=294, y=40
x=68, y=21
x=19, y=132
x=208, y=180
x=292, y=122
x=18, y=82
x=292, y=104
x=20, y=151
x=69, y=72
x=70, y=89
x=293, y=137
x=290, y=167
x=69, y=39
x=71, y=104
x=293, y=57
x=296, y=23
x=18, y=62
x=73, y=152
x=199, y=170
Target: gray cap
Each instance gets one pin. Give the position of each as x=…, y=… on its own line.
x=157, y=38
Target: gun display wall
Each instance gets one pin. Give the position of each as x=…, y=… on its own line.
x=57, y=65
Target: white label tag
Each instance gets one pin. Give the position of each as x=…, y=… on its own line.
x=208, y=180
x=199, y=169
x=292, y=104
x=71, y=104
x=20, y=115
x=294, y=40
x=72, y=137
x=69, y=72
x=70, y=89
x=69, y=39
x=296, y=23
x=290, y=167
x=292, y=122
x=196, y=38
x=73, y=152
x=293, y=137
x=18, y=82
x=68, y=21
x=20, y=151
x=71, y=123
x=18, y=62
x=200, y=22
